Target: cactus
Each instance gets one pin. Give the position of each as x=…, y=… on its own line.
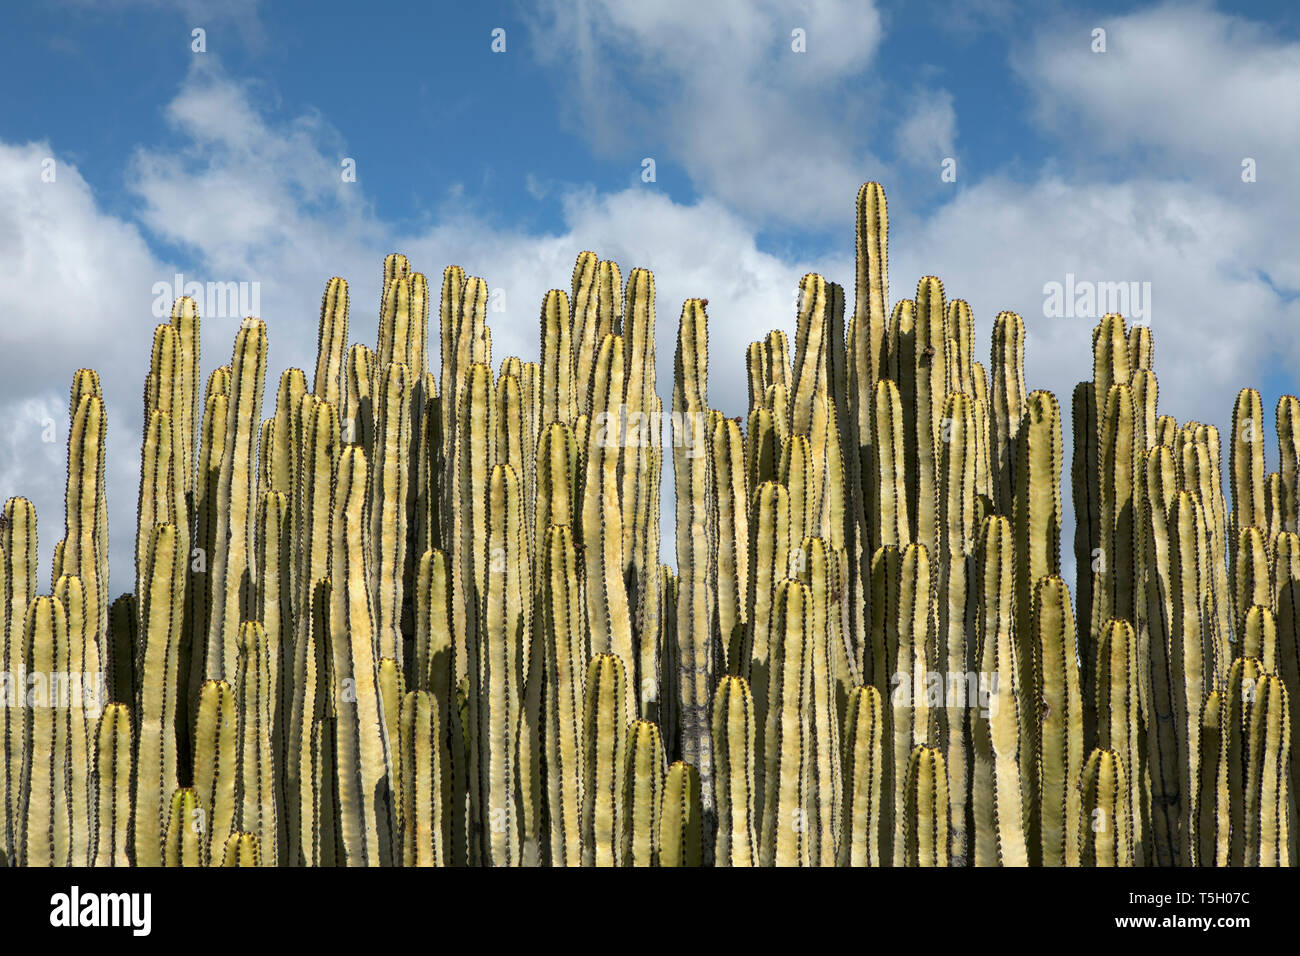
x=418, y=615
x=733, y=748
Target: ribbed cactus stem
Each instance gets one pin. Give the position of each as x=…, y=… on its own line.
x=643, y=793
x=422, y=791
x=362, y=744
x=229, y=563
x=1107, y=829
x=734, y=750
x=184, y=843
x=113, y=795
x=925, y=834
x=681, y=820
x=604, y=727
x=156, y=761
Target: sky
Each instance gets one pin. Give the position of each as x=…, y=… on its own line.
x=226, y=164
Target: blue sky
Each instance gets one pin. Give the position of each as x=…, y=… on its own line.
x=1115, y=166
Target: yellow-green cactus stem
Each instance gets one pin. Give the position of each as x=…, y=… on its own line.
x=233, y=542
x=643, y=791
x=584, y=324
x=1259, y=636
x=1286, y=600
x=641, y=439
x=85, y=553
x=242, y=849
x=1113, y=583
x=361, y=373
x=922, y=370
x=1189, y=675
x=275, y=612
x=601, y=526
x=812, y=343
x=604, y=726
x=907, y=660
x=696, y=542
x=156, y=760
x=1107, y=828
x=563, y=705
x=18, y=575
x=1267, y=785
x=184, y=843
x=185, y=319
x=955, y=607
x=559, y=399
x=1163, y=756
x=256, y=784
x=199, y=606
x=733, y=540
x=81, y=697
x=1288, y=444
x=216, y=762
x=362, y=744
x=422, y=790
x=887, y=473
x=783, y=838
x=1036, y=514
x=311, y=513
x=1242, y=684
x=770, y=542
x=997, y=789
x=925, y=818
x=1252, y=576
x=113, y=794
x=157, y=500
x=959, y=331
x=1058, y=721
x=165, y=392
x=497, y=667
x=1246, y=461
x=387, y=505
x=331, y=342
x=825, y=786
x=45, y=810
x=864, y=758
x=1213, y=801
x=681, y=819
x=476, y=425
x=1118, y=715
x=734, y=742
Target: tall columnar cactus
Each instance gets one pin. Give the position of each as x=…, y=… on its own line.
x=696, y=543
x=362, y=736
x=233, y=538
x=604, y=725
x=1107, y=830
x=681, y=820
x=113, y=797
x=643, y=783
x=418, y=615
x=733, y=748
x=155, y=760
x=998, y=788
x=925, y=820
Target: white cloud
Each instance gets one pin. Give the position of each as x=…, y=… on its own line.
x=927, y=134
x=751, y=122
